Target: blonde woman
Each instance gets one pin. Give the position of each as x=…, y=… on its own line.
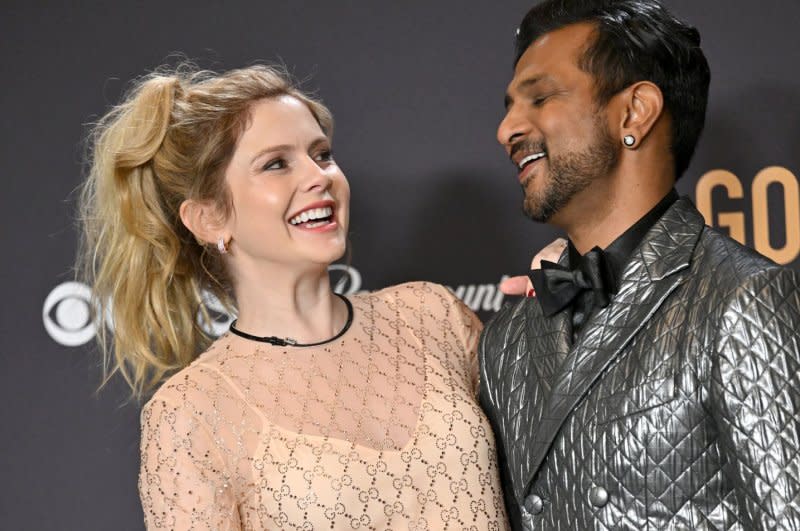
x=315, y=411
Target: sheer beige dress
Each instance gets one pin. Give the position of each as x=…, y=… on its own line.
x=379, y=429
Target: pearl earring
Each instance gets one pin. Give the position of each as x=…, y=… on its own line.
x=222, y=246
x=629, y=140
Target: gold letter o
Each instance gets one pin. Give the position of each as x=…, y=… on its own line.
x=791, y=202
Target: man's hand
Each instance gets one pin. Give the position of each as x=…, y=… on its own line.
x=521, y=285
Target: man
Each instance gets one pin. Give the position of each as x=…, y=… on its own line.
x=652, y=383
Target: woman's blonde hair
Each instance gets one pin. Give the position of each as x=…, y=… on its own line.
x=171, y=139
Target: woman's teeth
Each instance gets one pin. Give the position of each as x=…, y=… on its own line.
x=311, y=215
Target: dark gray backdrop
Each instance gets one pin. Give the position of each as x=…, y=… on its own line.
x=417, y=90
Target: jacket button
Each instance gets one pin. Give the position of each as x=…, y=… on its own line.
x=598, y=496
x=534, y=504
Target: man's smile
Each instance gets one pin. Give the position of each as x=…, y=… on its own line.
x=531, y=158
x=526, y=162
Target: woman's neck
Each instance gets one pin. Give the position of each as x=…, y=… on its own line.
x=288, y=303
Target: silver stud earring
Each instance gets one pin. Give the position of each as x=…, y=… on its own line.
x=222, y=246
x=629, y=140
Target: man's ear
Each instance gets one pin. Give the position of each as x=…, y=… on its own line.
x=204, y=220
x=643, y=105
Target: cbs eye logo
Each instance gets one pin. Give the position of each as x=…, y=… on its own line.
x=70, y=318
x=218, y=317
x=68, y=315
x=348, y=281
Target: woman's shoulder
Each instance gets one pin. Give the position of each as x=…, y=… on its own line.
x=193, y=383
x=434, y=302
x=414, y=293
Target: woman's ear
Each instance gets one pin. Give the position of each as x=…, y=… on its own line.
x=204, y=220
x=643, y=106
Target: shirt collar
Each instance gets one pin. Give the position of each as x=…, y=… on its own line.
x=620, y=250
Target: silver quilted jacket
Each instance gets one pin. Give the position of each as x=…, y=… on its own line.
x=678, y=407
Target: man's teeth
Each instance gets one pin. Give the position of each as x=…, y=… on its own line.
x=531, y=158
x=310, y=215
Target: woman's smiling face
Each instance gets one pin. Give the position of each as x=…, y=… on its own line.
x=290, y=199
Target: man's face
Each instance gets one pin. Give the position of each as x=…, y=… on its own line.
x=553, y=130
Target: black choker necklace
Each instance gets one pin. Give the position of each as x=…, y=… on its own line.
x=288, y=341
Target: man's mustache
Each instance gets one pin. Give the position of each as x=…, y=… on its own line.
x=527, y=146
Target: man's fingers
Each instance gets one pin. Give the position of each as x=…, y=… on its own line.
x=551, y=253
x=516, y=285
x=521, y=285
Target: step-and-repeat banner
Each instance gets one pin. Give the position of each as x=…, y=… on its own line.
x=417, y=91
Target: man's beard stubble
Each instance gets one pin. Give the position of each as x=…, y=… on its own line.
x=572, y=173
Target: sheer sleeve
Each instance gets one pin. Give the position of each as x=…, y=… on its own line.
x=472, y=334
x=183, y=483
x=467, y=328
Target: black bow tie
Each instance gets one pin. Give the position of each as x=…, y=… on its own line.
x=557, y=286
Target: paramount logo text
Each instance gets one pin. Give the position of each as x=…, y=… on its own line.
x=481, y=297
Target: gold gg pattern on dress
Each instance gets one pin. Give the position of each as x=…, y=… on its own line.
x=377, y=430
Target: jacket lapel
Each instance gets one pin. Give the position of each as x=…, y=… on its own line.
x=529, y=385
x=655, y=270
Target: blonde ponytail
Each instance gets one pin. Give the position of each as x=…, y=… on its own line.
x=170, y=140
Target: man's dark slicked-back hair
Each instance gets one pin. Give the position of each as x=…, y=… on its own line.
x=635, y=40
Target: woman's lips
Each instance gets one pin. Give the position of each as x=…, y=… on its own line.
x=326, y=203
x=319, y=216
x=326, y=226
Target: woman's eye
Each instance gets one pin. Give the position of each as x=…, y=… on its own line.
x=325, y=156
x=275, y=164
